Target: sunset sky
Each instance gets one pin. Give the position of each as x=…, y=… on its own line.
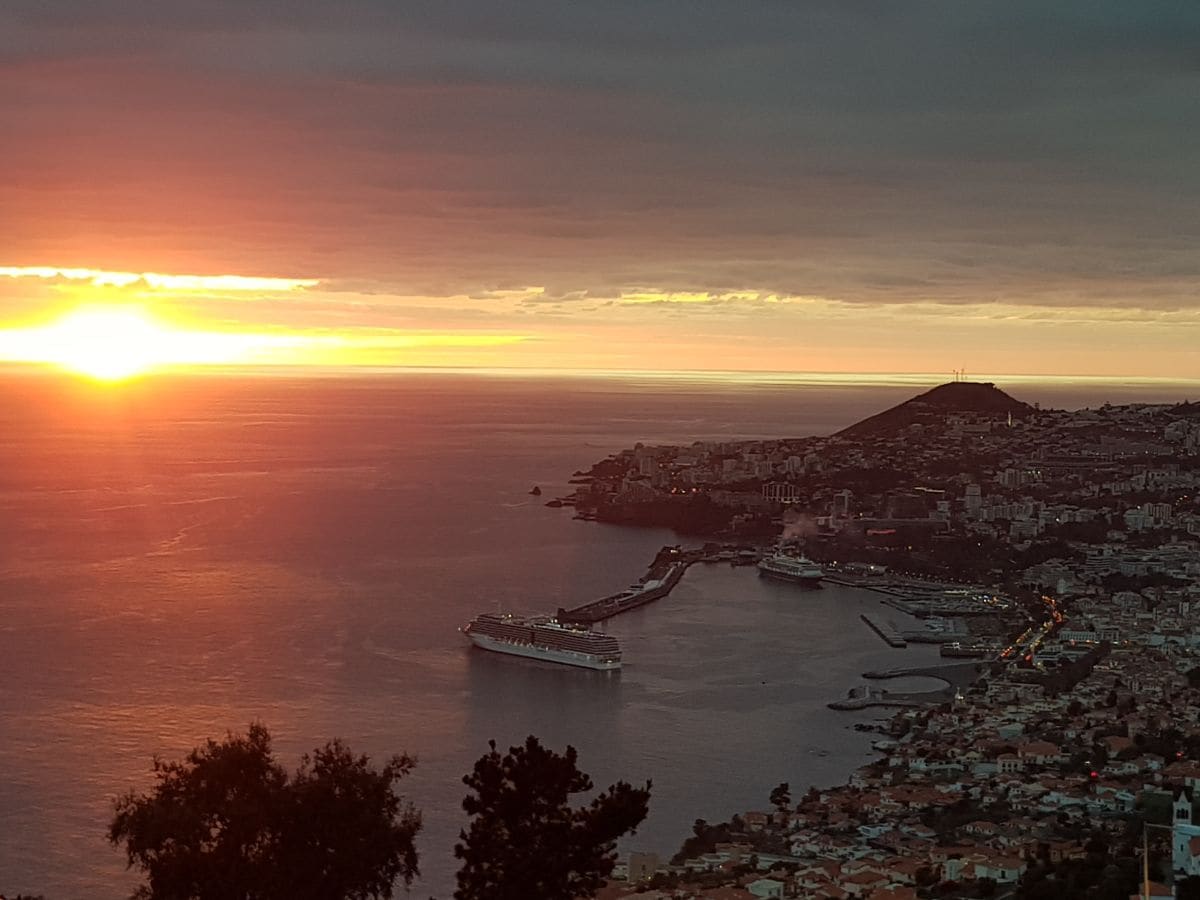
x=818, y=185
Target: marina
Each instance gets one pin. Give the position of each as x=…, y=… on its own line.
x=937, y=630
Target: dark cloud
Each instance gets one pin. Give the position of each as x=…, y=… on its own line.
x=870, y=152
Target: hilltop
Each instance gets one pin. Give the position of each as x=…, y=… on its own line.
x=981, y=398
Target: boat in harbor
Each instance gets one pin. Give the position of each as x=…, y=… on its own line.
x=797, y=569
x=543, y=637
x=958, y=650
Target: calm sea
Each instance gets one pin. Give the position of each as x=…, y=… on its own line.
x=182, y=556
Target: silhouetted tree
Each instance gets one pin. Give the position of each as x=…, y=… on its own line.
x=229, y=823
x=704, y=839
x=781, y=797
x=525, y=841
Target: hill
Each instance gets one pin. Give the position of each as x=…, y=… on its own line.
x=978, y=397
x=1187, y=410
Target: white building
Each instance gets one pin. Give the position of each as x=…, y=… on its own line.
x=1185, y=837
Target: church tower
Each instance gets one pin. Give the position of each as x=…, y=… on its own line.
x=1185, y=836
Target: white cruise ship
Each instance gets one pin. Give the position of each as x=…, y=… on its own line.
x=799, y=569
x=545, y=638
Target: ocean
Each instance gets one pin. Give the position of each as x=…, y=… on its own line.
x=181, y=556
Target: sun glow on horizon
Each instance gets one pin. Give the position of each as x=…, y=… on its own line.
x=108, y=344
x=111, y=343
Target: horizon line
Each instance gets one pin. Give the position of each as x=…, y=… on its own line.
x=743, y=376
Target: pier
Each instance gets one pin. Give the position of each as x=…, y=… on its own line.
x=885, y=630
x=905, y=589
x=955, y=673
x=665, y=572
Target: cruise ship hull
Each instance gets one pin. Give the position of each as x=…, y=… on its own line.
x=811, y=580
x=533, y=651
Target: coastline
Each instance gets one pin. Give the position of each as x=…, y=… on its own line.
x=1030, y=541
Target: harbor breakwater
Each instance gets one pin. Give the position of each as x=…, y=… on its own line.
x=955, y=676
x=665, y=572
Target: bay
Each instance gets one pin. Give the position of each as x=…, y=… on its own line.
x=180, y=556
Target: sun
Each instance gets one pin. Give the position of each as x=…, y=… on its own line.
x=113, y=343
x=105, y=343
x=108, y=344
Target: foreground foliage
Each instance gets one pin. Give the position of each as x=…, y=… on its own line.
x=526, y=841
x=229, y=823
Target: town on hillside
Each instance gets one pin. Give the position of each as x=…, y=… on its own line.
x=1071, y=766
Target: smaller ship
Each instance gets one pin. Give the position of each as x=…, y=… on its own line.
x=798, y=569
x=957, y=650
x=536, y=491
x=745, y=558
x=545, y=638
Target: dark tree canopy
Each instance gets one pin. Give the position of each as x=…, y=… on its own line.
x=781, y=796
x=524, y=838
x=229, y=823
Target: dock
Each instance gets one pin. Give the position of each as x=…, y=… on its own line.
x=665, y=572
x=867, y=697
x=890, y=635
x=960, y=674
x=937, y=607
x=938, y=631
